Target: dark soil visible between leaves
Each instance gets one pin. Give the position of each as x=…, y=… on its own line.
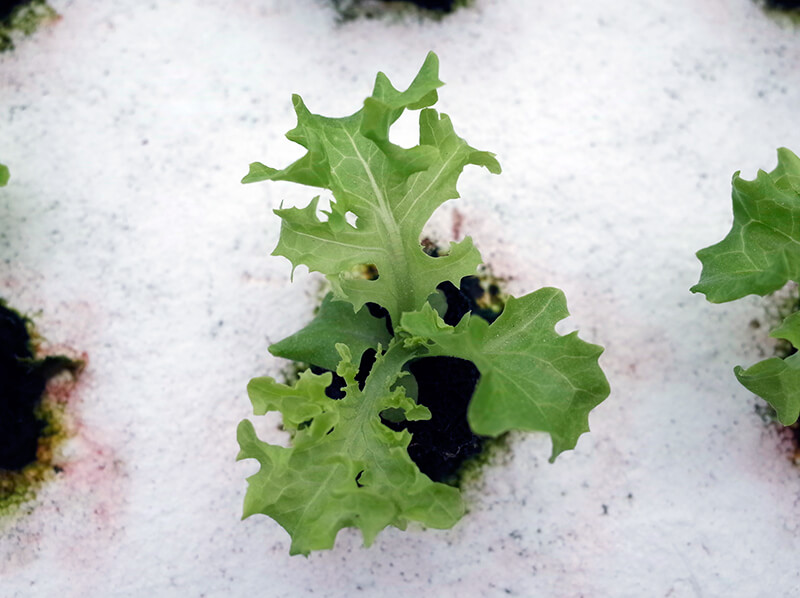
x=441, y=445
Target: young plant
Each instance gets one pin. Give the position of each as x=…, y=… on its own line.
x=347, y=467
x=760, y=254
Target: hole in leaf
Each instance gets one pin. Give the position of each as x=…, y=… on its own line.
x=351, y=219
x=470, y=298
x=335, y=390
x=323, y=206
x=358, y=478
x=405, y=130
x=376, y=311
x=393, y=415
x=429, y=247
x=367, y=271
x=371, y=272
x=364, y=368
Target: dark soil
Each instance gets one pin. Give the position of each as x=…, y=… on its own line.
x=370, y=9
x=8, y=6
x=442, y=444
x=784, y=4
x=440, y=5
x=22, y=382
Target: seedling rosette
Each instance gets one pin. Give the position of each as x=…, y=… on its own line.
x=346, y=467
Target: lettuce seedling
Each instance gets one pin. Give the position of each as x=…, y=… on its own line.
x=346, y=467
x=760, y=254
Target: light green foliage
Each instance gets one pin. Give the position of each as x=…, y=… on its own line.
x=759, y=255
x=531, y=377
x=4, y=175
x=345, y=467
x=392, y=191
x=778, y=380
x=762, y=250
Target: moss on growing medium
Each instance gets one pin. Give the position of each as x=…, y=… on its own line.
x=21, y=18
x=353, y=9
x=786, y=11
x=32, y=421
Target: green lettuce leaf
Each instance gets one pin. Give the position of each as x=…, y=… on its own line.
x=345, y=467
x=532, y=378
x=335, y=322
x=391, y=191
x=762, y=250
x=789, y=329
x=760, y=255
x=777, y=380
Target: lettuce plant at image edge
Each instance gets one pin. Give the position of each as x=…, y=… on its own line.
x=760, y=255
x=345, y=466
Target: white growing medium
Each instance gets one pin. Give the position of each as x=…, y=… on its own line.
x=127, y=127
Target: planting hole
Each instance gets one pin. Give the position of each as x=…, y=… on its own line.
x=31, y=426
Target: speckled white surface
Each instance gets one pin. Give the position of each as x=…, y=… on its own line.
x=127, y=127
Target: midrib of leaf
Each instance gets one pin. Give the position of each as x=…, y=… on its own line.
x=547, y=362
x=320, y=489
x=504, y=337
x=400, y=277
x=419, y=196
x=743, y=250
x=383, y=371
x=757, y=220
x=358, y=247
